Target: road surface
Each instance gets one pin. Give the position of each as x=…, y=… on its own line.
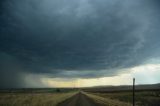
x=79, y=99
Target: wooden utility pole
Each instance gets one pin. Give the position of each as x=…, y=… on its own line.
x=133, y=91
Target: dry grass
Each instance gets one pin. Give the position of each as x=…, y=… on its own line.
x=142, y=98
x=107, y=101
x=33, y=99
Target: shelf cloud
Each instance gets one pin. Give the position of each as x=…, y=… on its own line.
x=75, y=39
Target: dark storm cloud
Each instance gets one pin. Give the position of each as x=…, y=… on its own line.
x=85, y=38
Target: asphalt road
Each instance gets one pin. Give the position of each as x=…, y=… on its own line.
x=79, y=99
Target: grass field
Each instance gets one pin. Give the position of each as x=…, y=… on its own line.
x=33, y=99
x=142, y=98
x=105, y=101
x=148, y=95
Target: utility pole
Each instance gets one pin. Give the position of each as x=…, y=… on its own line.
x=133, y=91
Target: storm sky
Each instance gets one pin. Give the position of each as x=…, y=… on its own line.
x=70, y=39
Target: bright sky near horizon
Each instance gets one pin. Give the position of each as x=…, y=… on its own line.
x=146, y=74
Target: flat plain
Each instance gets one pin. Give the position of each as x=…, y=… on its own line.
x=33, y=98
x=146, y=95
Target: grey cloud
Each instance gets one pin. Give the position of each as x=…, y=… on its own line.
x=78, y=38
